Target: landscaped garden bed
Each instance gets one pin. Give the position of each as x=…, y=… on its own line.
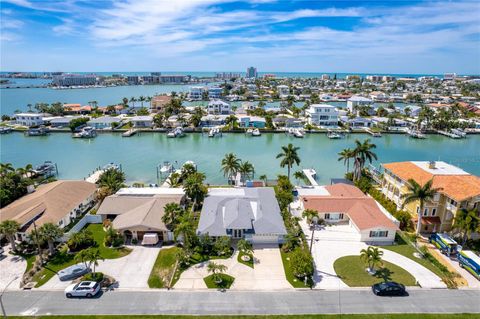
x=225, y=283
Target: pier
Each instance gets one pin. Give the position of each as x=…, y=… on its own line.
x=130, y=132
x=95, y=176
x=311, y=175
x=371, y=132
x=449, y=134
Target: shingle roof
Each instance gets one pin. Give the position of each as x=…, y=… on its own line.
x=456, y=186
x=52, y=201
x=241, y=208
x=362, y=210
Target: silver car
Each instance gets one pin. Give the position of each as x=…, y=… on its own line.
x=73, y=272
x=83, y=289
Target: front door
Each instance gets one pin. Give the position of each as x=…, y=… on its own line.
x=237, y=233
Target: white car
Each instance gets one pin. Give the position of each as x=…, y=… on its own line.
x=83, y=289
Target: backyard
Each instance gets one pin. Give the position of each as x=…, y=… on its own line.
x=351, y=269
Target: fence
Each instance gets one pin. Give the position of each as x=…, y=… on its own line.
x=87, y=219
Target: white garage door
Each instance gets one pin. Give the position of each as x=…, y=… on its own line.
x=266, y=239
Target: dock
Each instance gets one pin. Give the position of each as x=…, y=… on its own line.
x=374, y=134
x=311, y=175
x=95, y=176
x=130, y=132
x=449, y=134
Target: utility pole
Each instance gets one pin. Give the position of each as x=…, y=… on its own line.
x=314, y=224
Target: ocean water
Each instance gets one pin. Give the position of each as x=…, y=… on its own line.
x=140, y=154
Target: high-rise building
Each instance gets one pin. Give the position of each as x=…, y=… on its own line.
x=251, y=72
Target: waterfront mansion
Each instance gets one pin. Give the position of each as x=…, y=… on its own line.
x=457, y=190
x=322, y=115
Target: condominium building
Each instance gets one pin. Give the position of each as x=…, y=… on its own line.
x=215, y=92
x=457, y=190
x=374, y=78
x=75, y=79
x=251, y=72
x=322, y=115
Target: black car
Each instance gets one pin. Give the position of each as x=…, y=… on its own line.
x=389, y=289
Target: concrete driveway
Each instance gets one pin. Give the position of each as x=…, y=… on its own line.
x=333, y=242
x=11, y=267
x=131, y=271
x=267, y=273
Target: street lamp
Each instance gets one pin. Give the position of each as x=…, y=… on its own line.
x=314, y=224
x=4, y=313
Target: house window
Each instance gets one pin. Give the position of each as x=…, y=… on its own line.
x=436, y=197
x=418, y=209
x=434, y=211
x=452, y=202
x=379, y=233
x=425, y=212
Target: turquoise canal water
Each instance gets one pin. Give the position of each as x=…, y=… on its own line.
x=140, y=154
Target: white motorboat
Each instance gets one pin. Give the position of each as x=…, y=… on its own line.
x=214, y=132
x=256, y=132
x=166, y=167
x=298, y=133
x=249, y=131
x=176, y=132
x=459, y=132
x=86, y=132
x=416, y=134
x=333, y=135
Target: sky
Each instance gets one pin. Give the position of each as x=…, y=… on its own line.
x=416, y=37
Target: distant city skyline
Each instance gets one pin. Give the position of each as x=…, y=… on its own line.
x=389, y=37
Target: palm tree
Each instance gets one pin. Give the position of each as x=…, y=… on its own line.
x=299, y=176
x=310, y=214
x=174, y=180
x=125, y=101
x=5, y=168
x=26, y=171
x=173, y=211
x=245, y=247
x=230, y=165
x=231, y=120
x=185, y=229
x=111, y=180
x=419, y=193
x=346, y=155
x=9, y=228
x=50, y=233
x=194, y=188
x=94, y=256
x=264, y=178
x=246, y=170
x=467, y=222
x=289, y=157
x=216, y=270
x=372, y=257
x=133, y=100
x=362, y=153
x=82, y=257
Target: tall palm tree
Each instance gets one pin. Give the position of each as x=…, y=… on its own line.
x=50, y=233
x=185, y=229
x=133, y=100
x=230, y=165
x=245, y=247
x=422, y=194
x=125, y=101
x=111, y=180
x=289, y=157
x=372, y=256
x=264, y=178
x=194, y=188
x=346, y=155
x=9, y=228
x=246, y=170
x=141, y=99
x=309, y=214
x=94, y=257
x=467, y=222
x=173, y=211
x=6, y=168
x=231, y=121
x=299, y=176
x=362, y=154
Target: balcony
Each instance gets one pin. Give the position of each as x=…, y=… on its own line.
x=451, y=207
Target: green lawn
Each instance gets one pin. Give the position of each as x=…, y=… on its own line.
x=405, y=249
x=163, y=268
x=226, y=283
x=292, y=279
x=343, y=316
x=351, y=269
x=246, y=263
x=63, y=259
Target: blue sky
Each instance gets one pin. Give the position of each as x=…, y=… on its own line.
x=210, y=35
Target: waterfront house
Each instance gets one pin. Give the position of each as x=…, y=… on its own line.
x=57, y=202
x=213, y=120
x=357, y=100
x=76, y=109
x=144, y=121
x=322, y=115
x=158, y=103
x=29, y=119
x=283, y=90
x=218, y=107
x=62, y=121
x=357, y=122
x=346, y=204
x=196, y=92
x=414, y=110
x=458, y=190
x=104, y=122
x=250, y=213
x=135, y=212
x=251, y=121
x=393, y=123
x=378, y=96
x=215, y=92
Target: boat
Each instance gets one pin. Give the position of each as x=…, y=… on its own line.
x=256, y=132
x=176, y=132
x=111, y=166
x=416, y=134
x=249, y=131
x=47, y=169
x=214, y=132
x=86, y=132
x=334, y=135
x=5, y=130
x=41, y=131
x=298, y=133
x=166, y=167
x=129, y=133
x=459, y=132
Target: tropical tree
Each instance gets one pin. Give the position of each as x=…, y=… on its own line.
x=466, y=221
x=185, y=229
x=372, y=257
x=231, y=121
x=133, y=100
x=9, y=228
x=93, y=257
x=362, y=154
x=246, y=170
x=264, y=178
x=111, y=180
x=173, y=211
x=26, y=171
x=422, y=194
x=6, y=168
x=141, y=99
x=299, y=176
x=187, y=170
x=289, y=156
x=346, y=155
x=158, y=120
x=230, y=165
x=222, y=245
x=216, y=270
x=301, y=263
x=50, y=233
x=310, y=214
x=245, y=246
x=174, y=180
x=194, y=188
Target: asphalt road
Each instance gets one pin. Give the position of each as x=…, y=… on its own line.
x=242, y=302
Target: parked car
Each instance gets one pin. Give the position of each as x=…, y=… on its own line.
x=73, y=272
x=390, y=288
x=83, y=289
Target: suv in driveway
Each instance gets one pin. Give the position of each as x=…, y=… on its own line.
x=83, y=289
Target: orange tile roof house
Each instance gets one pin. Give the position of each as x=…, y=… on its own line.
x=457, y=190
x=348, y=204
x=56, y=202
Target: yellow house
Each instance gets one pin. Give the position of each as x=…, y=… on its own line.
x=458, y=190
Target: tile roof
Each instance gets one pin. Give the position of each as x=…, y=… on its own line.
x=456, y=186
x=52, y=202
x=362, y=210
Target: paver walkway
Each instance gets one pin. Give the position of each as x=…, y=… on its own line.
x=11, y=266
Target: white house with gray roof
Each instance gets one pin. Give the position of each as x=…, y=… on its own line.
x=250, y=213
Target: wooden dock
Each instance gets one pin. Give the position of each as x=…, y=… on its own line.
x=130, y=132
x=374, y=134
x=449, y=134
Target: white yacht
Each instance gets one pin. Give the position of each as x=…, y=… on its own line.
x=214, y=132
x=86, y=132
x=176, y=132
x=256, y=132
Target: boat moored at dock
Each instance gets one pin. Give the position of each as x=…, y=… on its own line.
x=86, y=132
x=40, y=131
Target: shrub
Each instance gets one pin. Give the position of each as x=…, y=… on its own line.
x=301, y=263
x=113, y=238
x=97, y=276
x=81, y=240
